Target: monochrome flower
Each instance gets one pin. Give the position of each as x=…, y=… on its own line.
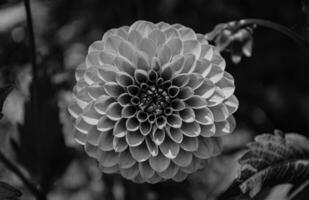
x=151, y=102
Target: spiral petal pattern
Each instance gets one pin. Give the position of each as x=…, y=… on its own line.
x=151, y=101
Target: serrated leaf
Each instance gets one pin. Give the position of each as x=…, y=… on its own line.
x=4, y=92
x=272, y=159
x=8, y=192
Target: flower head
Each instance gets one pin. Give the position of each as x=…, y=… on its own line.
x=152, y=101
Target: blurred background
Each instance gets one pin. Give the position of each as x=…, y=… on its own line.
x=272, y=87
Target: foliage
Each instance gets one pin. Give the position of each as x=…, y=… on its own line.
x=8, y=192
x=271, y=160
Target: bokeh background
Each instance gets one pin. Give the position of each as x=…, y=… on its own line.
x=272, y=87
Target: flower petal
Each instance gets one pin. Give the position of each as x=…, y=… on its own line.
x=113, y=111
x=169, y=148
x=124, y=79
x=140, y=153
x=174, y=121
x=132, y=124
x=120, y=129
x=187, y=115
x=134, y=138
x=106, y=141
x=196, y=102
x=175, y=134
x=220, y=112
x=170, y=172
x=208, y=130
x=177, y=105
x=105, y=124
x=130, y=173
x=108, y=158
x=191, y=129
x=158, y=136
x=152, y=147
x=126, y=160
x=113, y=89
x=183, y=159
x=146, y=170
x=119, y=144
x=159, y=163
x=185, y=93
x=225, y=127
x=192, y=47
x=231, y=103
x=189, y=143
x=206, y=89
x=204, y=116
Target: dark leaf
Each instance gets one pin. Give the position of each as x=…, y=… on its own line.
x=8, y=192
x=272, y=159
x=41, y=148
x=4, y=92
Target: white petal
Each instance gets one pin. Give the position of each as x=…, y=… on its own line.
x=140, y=153
x=146, y=170
x=120, y=129
x=192, y=47
x=183, y=159
x=206, y=89
x=105, y=124
x=204, y=116
x=208, y=130
x=231, y=104
x=189, y=143
x=203, y=67
x=187, y=115
x=220, y=112
x=119, y=144
x=113, y=111
x=132, y=124
x=159, y=163
x=106, y=141
x=225, y=127
x=169, y=148
x=175, y=134
x=134, y=138
x=108, y=158
x=126, y=160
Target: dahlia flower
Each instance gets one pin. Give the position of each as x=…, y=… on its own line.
x=151, y=102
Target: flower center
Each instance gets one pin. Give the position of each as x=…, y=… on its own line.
x=154, y=98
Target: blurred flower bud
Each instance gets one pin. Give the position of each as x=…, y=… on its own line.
x=229, y=37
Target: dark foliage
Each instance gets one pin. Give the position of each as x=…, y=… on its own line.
x=41, y=148
x=7, y=192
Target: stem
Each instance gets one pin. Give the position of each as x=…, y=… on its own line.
x=31, y=39
x=274, y=26
x=34, y=96
x=32, y=188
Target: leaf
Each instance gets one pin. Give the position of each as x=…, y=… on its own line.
x=8, y=192
x=270, y=160
x=4, y=92
x=41, y=149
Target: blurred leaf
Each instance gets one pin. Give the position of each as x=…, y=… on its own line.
x=8, y=192
x=41, y=148
x=4, y=92
x=303, y=26
x=272, y=159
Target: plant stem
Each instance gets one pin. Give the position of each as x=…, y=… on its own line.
x=31, y=39
x=274, y=26
x=32, y=188
x=34, y=95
